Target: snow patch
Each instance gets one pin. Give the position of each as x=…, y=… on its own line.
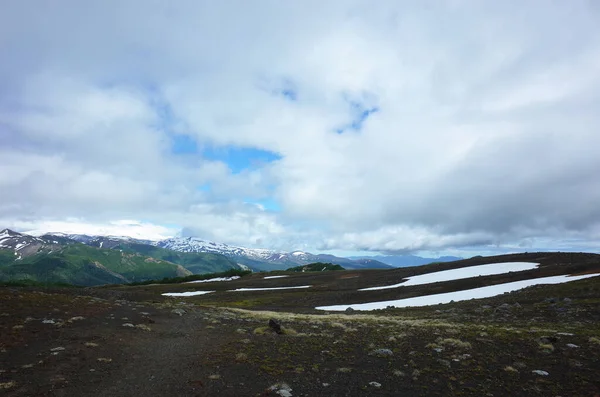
x=475, y=293
x=457, y=274
x=268, y=289
x=270, y=277
x=214, y=279
x=189, y=293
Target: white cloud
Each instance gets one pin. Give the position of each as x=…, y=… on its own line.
x=485, y=134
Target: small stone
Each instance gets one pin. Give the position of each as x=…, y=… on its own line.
x=91, y=344
x=128, y=325
x=571, y=345
x=48, y=322
x=104, y=360
x=540, y=372
x=548, y=339
x=382, y=352
x=76, y=318
x=376, y=385
x=179, y=312
x=325, y=384
x=7, y=385
x=57, y=349
x=284, y=393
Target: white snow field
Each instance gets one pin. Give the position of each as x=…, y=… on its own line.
x=267, y=289
x=475, y=293
x=457, y=274
x=214, y=279
x=270, y=277
x=189, y=293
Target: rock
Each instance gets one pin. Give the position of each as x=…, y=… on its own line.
x=128, y=325
x=382, y=353
x=504, y=306
x=551, y=300
x=548, y=339
x=104, y=360
x=179, y=312
x=517, y=305
x=540, y=372
x=91, y=344
x=325, y=384
x=376, y=385
x=282, y=389
x=48, y=322
x=567, y=300
x=275, y=326
x=57, y=349
x=77, y=318
x=349, y=310
x=571, y=345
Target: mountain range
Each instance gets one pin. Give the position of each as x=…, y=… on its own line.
x=407, y=260
x=93, y=260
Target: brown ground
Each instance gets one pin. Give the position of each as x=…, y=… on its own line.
x=477, y=348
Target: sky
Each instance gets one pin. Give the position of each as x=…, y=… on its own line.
x=395, y=127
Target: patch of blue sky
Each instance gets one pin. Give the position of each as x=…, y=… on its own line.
x=284, y=87
x=360, y=113
x=183, y=144
x=240, y=158
x=269, y=204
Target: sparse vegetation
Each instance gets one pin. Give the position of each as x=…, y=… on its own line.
x=316, y=267
x=194, y=277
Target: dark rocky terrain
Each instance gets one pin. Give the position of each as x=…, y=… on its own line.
x=130, y=341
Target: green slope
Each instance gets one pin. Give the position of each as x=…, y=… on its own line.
x=84, y=265
x=196, y=262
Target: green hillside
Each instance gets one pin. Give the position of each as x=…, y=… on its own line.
x=316, y=267
x=84, y=265
x=195, y=262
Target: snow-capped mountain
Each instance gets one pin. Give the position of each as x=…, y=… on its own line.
x=108, y=242
x=255, y=258
x=23, y=244
x=194, y=244
x=263, y=259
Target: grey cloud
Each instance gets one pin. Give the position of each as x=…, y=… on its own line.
x=486, y=134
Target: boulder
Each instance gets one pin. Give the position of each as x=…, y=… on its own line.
x=275, y=326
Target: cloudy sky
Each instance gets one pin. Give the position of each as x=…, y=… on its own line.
x=448, y=127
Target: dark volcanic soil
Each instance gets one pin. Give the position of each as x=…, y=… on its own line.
x=543, y=341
